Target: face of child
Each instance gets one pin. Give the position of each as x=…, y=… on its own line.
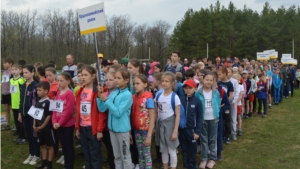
x=16, y=71
x=245, y=76
x=229, y=75
x=138, y=85
x=86, y=77
x=151, y=85
x=208, y=81
x=105, y=69
x=166, y=82
x=200, y=77
x=189, y=91
x=262, y=78
x=79, y=78
x=250, y=75
x=174, y=57
x=110, y=81
x=27, y=74
x=132, y=69
x=234, y=71
x=42, y=92
x=62, y=82
x=50, y=76
x=120, y=81
x=6, y=65
x=221, y=75
x=156, y=69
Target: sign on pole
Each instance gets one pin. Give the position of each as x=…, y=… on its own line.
x=92, y=19
x=262, y=56
x=286, y=56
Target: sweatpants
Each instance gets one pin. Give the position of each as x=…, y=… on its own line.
x=91, y=148
x=209, y=140
x=120, y=143
x=34, y=147
x=220, y=134
x=145, y=160
x=19, y=126
x=134, y=150
x=233, y=115
x=66, y=135
x=227, y=124
x=109, y=149
x=188, y=148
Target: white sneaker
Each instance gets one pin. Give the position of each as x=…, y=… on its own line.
x=29, y=158
x=137, y=166
x=60, y=159
x=83, y=167
x=35, y=160
x=133, y=166
x=63, y=162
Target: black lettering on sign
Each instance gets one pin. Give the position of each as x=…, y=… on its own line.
x=84, y=109
x=57, y=105
x=36, y=113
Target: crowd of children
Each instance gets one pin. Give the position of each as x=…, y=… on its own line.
x=198, y=108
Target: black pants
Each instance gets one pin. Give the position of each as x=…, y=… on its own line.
x=66, y=137
x=254, y=102
x=188, y=148
x=158, y=153
x=34, y=147
x=292, y=87
x=133, y=150
x=227, y=124
x=109, y=149
x=19, y=126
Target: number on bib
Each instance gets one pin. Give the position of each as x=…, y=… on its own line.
x=36, y=113
x=13, y=89
x=85, y=108
x=5, y=78
x=56, y=105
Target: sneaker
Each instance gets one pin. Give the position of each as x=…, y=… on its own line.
x=202, y=164
x=6, y=127
x=14, y=129
x=63, y=162
x=234, y=137
x=60, y=159
x=219, y=157
x=83, y=167
x=250, y=114
x=239, y=133
x=210, y=164
x=137, y=166
x=133, y=166
x=264, y=116
x=246, y=116
x=29, y=158
x=227, y=140
x=22, y=141
x=16, y=139
x=35, y=160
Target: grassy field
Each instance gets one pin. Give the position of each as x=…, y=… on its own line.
x=267, y=143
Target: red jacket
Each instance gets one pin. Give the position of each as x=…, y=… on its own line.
x=99, y=120
x=53, y=90
x=140, y=119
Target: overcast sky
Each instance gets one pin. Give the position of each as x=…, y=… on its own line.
x=140, y=11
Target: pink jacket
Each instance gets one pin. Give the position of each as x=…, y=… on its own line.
x=66, y=118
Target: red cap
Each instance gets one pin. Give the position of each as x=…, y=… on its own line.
x=218, y=58
x=190, y=83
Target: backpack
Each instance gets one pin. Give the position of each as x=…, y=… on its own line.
x=182, y=121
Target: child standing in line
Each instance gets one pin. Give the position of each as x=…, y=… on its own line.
x=43, y=127
x=262, y=95
x=28, y=98
x=51, y=77
x=239, y=103
x=191, y=132
x=210, y=98
x=200, y=78
x=247, y=96
x=64, y=121
x=118, y=103
x=166, y=135
x=15, y=84
x=6, y=96
x=143, y=119
x=90, y=123
x=40, y=73
x=277, y=82
x=251, y=92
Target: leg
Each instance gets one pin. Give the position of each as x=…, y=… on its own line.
x=134, y=151
x=146, y=152
x=139, y=144
x=240, y=122
x=50, y=153
x=66, y=135
x=107, y=143
x=124, y=143
x=116, y=149
x=233, y=114
x=184, y=147
x=7, y=115
x=220, y=134
x=204, y=141
x=84, y=142
x=44, y=152
x=192, y=149
x=28, y=123
x=292, y=88
x=227, y=125
x=259, y=105
x=212, y=139
x=265, y=106
x=173, y=157
x=165, y=157
x=95, y=150
x=16, y=115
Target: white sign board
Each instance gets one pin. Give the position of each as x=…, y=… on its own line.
x=92, y=19
x=294, y=62
x=286, y=56
x=272, y=53
x=262, y=56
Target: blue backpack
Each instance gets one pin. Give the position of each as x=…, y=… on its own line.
x=182, y=121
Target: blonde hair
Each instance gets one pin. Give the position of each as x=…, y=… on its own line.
x=236, y=76
x=171, y=77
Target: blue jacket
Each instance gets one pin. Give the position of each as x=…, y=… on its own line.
x=28, y=97
x=216, y=101
x=179, y=90
x=262, y=94
x=224, y=101
x=119, y=105
x=193, y=110
x=276, y=81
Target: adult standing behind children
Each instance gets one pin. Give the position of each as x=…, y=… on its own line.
x=175, y=63
x=71, y=68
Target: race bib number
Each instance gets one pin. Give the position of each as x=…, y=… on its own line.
x=208, y=103
x=56, y=105
x=36, y=113
x=5, y=78
x=85, y=108
x=162, y=107
x=13, y=89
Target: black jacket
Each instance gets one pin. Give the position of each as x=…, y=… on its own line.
x=193, y=110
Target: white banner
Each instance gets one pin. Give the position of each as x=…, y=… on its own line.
x=286, y=56
x=92, y=19
x=262, y=56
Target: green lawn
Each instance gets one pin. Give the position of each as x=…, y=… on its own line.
x=267, y=143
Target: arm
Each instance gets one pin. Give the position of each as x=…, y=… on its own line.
x=254, y=86
x=230, y=96
x=236, y=93
x=101, y=121
x=101, y=105
x=199, y=118
x=34, y=124
x=152, y=116
x=47, y=120
x=225, y=103
x=122, y=108
x=175, y=131
x=68, y=110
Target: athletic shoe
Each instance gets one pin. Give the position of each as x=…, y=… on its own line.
x=202, y=164
x=219, y=157
x=16, y=139
x=211, y=164
x=264, y=116
x=137, y=166
x=133, y=166
x=250, y=114
x=14, y=129
x=239, y=132
x=63, y=162
x=35, y=160
x=83, y=167
x=22, y=141
x=29, y=158
x=60, y=159
x=227, y=140
x=234, y=137
x=6, y=127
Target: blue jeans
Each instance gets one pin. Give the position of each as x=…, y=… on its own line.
x=209, y=139
x=220, y=134
x=188, y=148
x=260, y=102
x=276, y=95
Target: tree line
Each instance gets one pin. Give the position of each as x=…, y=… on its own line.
x=53, y=34
x=237, y=32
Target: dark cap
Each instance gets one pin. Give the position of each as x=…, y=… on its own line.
x=106, y=63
